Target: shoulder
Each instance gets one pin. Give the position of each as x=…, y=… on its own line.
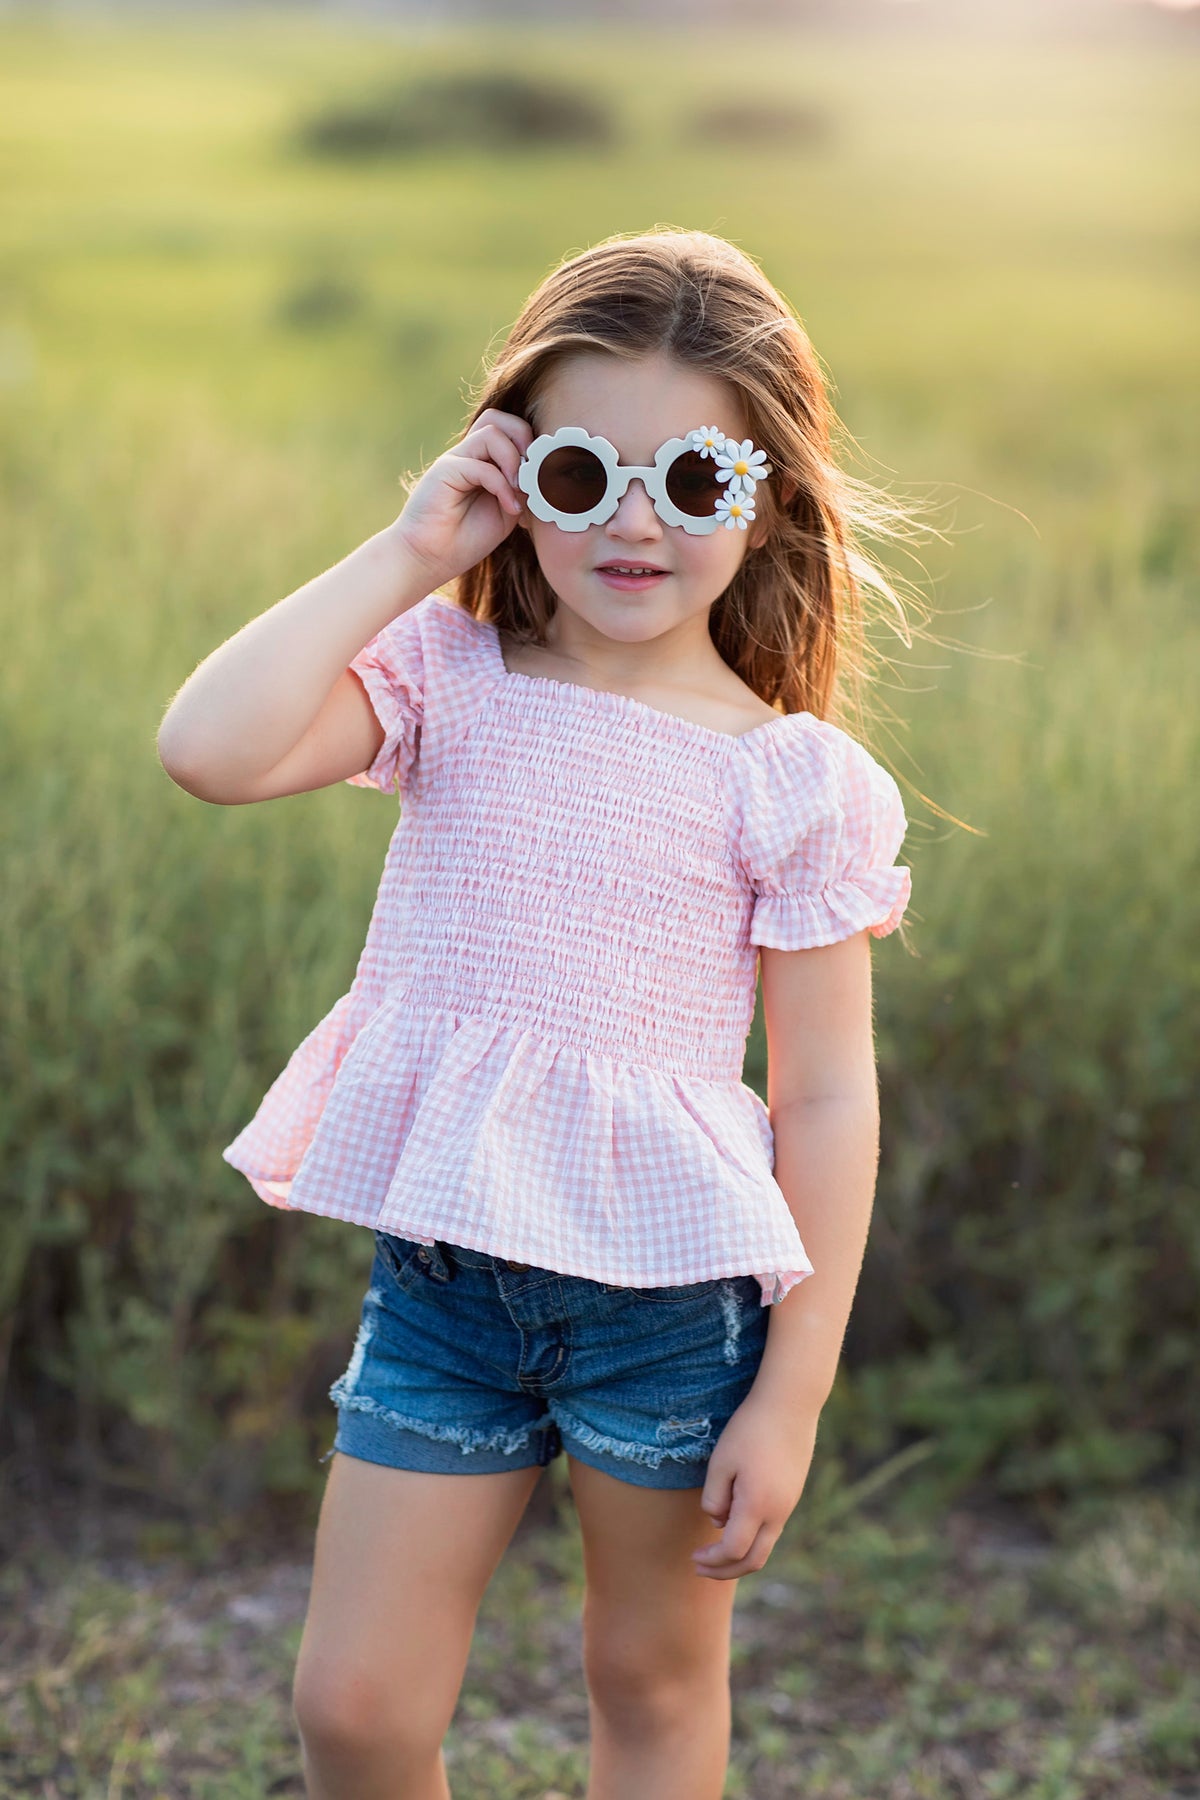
x=801, y=761
x=434, y=636
x=817, y=826
x=439, y=617
x=428, y=674
x=455, y=658
x=443, y=609
x=471, y=643
x=807, y=780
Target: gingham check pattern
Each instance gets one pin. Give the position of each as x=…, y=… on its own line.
x=540, y=1054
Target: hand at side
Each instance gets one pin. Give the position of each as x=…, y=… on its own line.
x=756, y=1475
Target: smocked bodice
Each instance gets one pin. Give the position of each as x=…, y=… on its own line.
x=594, y=899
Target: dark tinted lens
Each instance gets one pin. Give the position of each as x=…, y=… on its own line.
x=692, y=485
x=573, y=480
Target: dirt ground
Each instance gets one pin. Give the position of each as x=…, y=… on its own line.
x=971, y=1656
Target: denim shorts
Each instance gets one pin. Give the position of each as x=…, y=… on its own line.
x=468, y=1363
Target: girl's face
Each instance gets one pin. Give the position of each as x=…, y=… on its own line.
x=637, y=405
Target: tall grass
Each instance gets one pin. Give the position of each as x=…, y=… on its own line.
x=991, y=254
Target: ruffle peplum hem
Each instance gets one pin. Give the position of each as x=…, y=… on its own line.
x=427, y=1110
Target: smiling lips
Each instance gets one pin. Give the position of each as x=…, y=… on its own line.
x=629, y=569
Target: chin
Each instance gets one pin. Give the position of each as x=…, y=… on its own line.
x=633, y=617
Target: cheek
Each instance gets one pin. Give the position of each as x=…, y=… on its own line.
x=554, y=549
x=718, y=556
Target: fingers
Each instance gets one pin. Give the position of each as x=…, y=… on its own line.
x=502, y=436
x=721, y=1562
x=745, y=1527
x=519, y=430
x=478, y=473
x=491, y=445
x=718, y=1494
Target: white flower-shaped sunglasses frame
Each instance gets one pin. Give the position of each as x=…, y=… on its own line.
x=740, y=465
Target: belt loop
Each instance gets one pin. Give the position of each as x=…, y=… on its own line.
x=441, y=1265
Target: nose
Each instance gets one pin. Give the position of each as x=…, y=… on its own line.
x=635, y=519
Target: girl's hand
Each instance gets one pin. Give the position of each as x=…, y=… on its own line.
x=756, y=1475
x=467, y=501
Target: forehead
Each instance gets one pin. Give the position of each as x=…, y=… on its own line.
x=637, y=403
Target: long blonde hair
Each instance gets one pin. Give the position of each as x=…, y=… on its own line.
x=791, y=622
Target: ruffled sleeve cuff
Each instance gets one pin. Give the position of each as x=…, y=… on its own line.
x=819, y=823
x=875, y=902
x=391, y=669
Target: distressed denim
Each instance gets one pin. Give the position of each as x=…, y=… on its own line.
x=468, y=1363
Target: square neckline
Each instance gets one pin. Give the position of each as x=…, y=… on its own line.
x=639, y=707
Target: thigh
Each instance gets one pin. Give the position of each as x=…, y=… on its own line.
x=401, y=1563
x=650, y=1621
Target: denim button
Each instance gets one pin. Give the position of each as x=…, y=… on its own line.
x=423, y=1256
x=515, y=1265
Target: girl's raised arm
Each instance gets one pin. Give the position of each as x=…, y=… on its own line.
x=275, y=709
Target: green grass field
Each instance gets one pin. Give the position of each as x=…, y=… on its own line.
x=217, y=358
x=960, y=1658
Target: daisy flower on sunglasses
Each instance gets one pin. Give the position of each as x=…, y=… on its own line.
x=741, y=465
x=708, y=440
x=734, y=510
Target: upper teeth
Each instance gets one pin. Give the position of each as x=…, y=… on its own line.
x=617, y=569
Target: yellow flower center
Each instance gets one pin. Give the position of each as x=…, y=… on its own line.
x=735, y=512
x=741, y=468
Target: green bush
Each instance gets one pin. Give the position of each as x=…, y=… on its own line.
x=491, y=110
x=758, y=121
x=315, y=302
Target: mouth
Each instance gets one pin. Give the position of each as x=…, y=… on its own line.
x=629, y=569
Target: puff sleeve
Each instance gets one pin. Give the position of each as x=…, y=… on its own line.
x=819, y=823
x=392, y=669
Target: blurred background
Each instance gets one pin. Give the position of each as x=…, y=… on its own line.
x=251, y=261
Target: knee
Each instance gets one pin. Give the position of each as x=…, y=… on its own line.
x=654, y=1690
x=346, y=1713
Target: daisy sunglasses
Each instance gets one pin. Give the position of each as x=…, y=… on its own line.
x=702, y=481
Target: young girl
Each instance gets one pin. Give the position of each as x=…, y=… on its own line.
x=594, y=657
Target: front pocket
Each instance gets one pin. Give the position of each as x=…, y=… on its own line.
x=402, y=1258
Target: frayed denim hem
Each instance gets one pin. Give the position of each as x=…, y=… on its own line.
x=652, y=1456
x=508, y=1442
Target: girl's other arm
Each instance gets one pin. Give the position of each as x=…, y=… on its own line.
x=823, y=1101
x=822, y=1095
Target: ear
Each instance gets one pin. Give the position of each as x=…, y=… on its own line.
x=760, y=531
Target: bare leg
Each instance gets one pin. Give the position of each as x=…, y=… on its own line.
x=656, y=1642
x=401, y=1563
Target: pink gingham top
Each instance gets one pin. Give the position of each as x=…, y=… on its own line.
x=541, y=1052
